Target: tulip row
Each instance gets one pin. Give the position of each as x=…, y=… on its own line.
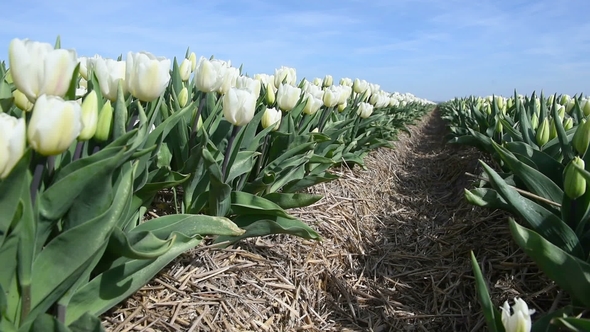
x=540, y=145
x=88, y=144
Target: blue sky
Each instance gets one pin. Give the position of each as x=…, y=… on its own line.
x=435, y=49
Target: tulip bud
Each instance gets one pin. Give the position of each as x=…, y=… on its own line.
x=287, y=97
x=520, y=320
x=54, y=125
x=238, y=106
x=574, y=182
x=270, y=94
x=183, y=97
x=553, y=128
x=564, y=99
x=89, y=116
x=317, y=81
x=271, y=117
x=550, y=100
x=193, y=60
x=328, y=80
x=568, y=124
x=561, y=111
x=12, y=142
x=316, y=130
x=535, y=121
x=585, y=107
x=185, y=69
x=570, y=106
x=105, y=121
x=38, y=69
x=542, y=135
x=146, y=76
x=342, y=107
x=21, y=101
x=499, y=127
x=581, y=138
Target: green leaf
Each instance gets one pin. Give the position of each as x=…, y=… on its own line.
x=246, y=203
x=11, y=189
x=492, y=315
x=292, y=200
x=488, y=198
x=244, y=163
x=535, y=181
x=138, y=245
x=542, y=220
x=569, y=272
x=573, y=323
x=79, y=245
x=261, y=225
x=188, y=224
x=87, y=323
x=47, y=323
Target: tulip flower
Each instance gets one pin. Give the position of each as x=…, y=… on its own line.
x=146, y=76
x=313, y=104
x=250, y=84
x=346, y=81
x=55, y=124
x=185, y=69
x=328, y=81
x=109, y=72
x=271, y=117
x=230, y=80
x=39, y=69
x=345, y=92
x=365, y=110
x=210, y=74
x=12, y=142
x=331, y=96
x=317, y=82
x=520, y=320
x=285, y=75
x=287, y=97
x=89, y=116
x=21, y=101
x=239, y=106
x=360, y=86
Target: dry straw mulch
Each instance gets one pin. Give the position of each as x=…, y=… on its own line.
x=394, y=257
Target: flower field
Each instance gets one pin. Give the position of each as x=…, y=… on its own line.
x=154, y=194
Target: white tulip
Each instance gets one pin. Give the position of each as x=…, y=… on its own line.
x=209, y=74
x=146, y=76
x=12, y=142
x=54, y=125
x=285, y=74
x=365, y=110
x=230, y=80
x=331, y=96
x=520, y=320
x=185, y=69
x=271, y=117
x=287, y=97
x=109, y=73
x=38, y=69
x=250, y=84
x=238, y=106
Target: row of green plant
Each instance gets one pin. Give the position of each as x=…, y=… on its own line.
x=87, y=144
x=539, y=145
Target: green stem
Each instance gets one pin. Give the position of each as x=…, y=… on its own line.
x=230, y=142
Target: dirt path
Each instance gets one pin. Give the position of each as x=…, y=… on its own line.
x=395, y=257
